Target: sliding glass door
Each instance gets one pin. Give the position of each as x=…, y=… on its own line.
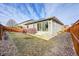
x=42, y=26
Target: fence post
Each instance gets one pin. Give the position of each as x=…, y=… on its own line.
x=1, y=32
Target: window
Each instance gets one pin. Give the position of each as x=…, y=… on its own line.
x=42, y=26
x=39, y=26
x=27, y=26
x=20, y=26
x=46, y=26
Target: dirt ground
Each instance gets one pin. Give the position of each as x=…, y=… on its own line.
x=20, y=44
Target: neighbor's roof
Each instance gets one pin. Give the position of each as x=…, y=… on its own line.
x=35, y=21
x=77, y=22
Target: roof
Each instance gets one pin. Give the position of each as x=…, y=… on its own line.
x=35, y=21
x=77, y=22
x=27, y=21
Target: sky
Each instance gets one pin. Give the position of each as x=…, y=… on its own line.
x=66, y=13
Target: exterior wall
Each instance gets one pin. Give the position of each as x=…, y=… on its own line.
x=22, y=25
x=50, y=29
x=30, y=26
x=35, y=25
x=53, y=27
x=56, y=27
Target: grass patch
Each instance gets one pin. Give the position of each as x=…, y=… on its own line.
x=29, y=45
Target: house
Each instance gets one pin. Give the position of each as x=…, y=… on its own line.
x=45, y=28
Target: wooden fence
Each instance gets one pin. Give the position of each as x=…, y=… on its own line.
x=9, y=29
x=74, y=30
x=14, y=29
